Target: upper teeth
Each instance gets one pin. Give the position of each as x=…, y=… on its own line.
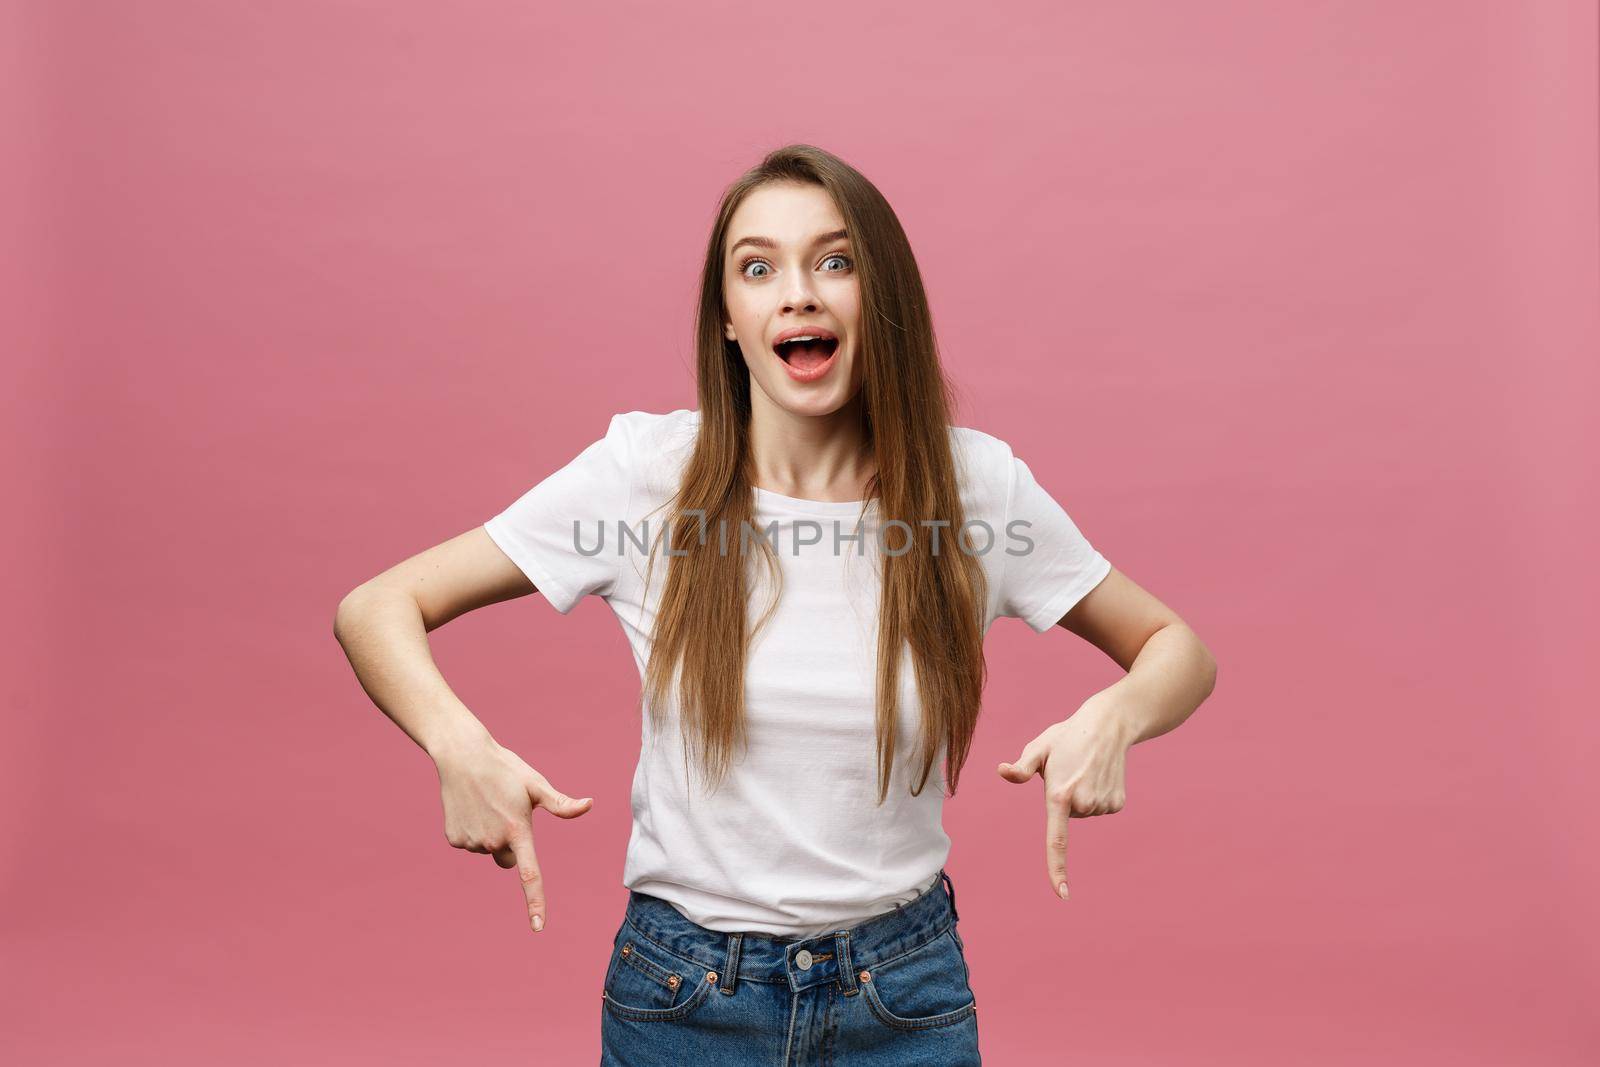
x=805, y=337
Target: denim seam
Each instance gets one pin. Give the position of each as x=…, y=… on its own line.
x=925, y=1022
x=788, y=1045
x=914, y=948
x=674, y=954
x=652, y=970
x=696, y=999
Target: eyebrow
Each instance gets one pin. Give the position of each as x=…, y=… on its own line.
x=767, y=242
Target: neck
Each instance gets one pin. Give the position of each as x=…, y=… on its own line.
x=815, y=457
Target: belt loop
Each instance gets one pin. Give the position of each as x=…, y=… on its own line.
x=847, y=971
x=730, y=970
x=950, y=887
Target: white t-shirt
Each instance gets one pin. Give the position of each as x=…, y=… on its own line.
x=793, y=842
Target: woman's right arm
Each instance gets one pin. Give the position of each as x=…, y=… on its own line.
x=488, y=791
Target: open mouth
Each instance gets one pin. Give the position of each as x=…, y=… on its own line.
x=806, y=355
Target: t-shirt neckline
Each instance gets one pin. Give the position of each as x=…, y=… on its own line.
x=779, y=502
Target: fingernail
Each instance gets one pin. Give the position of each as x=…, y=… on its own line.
x=538, y=923
x=1062, y=889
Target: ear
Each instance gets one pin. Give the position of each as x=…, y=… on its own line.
x=727, y=331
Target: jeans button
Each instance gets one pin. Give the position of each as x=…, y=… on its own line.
x=802, y=959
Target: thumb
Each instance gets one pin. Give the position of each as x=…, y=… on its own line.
x=559, y=804
x=1027, y=764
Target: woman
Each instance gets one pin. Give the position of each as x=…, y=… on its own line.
x=809, y=627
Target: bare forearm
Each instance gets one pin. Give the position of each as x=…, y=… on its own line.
x=386, y=641
x=1172, y=675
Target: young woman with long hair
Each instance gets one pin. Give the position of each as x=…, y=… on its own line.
x=805, y=567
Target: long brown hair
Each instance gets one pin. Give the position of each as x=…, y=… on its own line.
x=933, y=601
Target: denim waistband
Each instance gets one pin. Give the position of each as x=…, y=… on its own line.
x=836, y=956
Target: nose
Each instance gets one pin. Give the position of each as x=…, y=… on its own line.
x=799, y=295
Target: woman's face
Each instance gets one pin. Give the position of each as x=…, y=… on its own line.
x=788, y=270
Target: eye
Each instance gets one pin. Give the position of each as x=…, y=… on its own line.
x=840, y=255
x=745, y=264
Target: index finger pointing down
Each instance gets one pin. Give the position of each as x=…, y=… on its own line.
x=1055, y=846
x=531, y=877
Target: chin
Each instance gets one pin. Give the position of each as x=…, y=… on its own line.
x=812, y=404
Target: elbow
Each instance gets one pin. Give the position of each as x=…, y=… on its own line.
x=1206, y=663
x=345, y=616
x=1208, y=671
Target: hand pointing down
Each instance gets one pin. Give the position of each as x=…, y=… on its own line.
x=489, y=794
x=1083, y=761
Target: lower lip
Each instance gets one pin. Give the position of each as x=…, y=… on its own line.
x=814, y=373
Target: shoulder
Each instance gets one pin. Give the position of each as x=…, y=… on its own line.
x=657, y=445
x=645, y=433
x=980, y=448
x=984, y=469
x=648, y=425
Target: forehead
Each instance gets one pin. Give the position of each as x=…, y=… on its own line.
x=788, y=213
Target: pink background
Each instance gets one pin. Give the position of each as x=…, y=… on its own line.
x=1293, y=307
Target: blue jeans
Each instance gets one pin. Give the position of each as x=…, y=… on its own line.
x=887, y=992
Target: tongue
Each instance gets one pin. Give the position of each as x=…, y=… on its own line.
x=809, y=355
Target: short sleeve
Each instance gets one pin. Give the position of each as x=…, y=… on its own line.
x=563, y=533
x=1048, y=564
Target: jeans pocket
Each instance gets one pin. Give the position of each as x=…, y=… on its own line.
x=646, y=983
x=925, y=988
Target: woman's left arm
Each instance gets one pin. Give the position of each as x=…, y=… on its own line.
x=1083, y=758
